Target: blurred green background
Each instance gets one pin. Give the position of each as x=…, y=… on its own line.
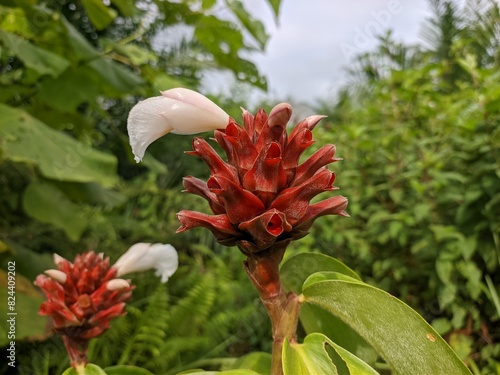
x=418, y=129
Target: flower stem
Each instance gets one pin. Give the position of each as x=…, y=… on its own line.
x=283, y=309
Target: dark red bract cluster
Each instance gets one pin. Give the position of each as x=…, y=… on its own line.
x=82, y=303
x=261, y=196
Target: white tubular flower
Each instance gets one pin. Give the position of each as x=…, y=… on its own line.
x=178, y=111
x=145, y=256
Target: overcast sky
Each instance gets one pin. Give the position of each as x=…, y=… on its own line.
x=315, y=39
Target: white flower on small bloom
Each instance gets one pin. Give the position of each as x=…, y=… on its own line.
x=178, y=111
x=145, y=256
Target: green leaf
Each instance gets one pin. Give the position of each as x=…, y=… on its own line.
x=316, y=319
x=126, y=7
x=126, y=370
x=121, y=78
x=254, y=27
x=90, y=193
x=60, y=157
x=75, y=86
x=38, y=59
x=296, y=269
x=47, y=204
x=275, y=5
x=259, y=362
x=401, y=336
x=81, y=47
x=328, y=275
x=28, y=324
x=89, y=369
x=309, y=358
x=28, y=262
x=99, y=14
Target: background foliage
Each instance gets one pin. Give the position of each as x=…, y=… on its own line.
x=418, y=130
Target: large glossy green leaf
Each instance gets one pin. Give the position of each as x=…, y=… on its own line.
x=60, y=157
x=296, y=269
x=394, y=330
x=47, y=204
x=36, y=58
x=301, y=267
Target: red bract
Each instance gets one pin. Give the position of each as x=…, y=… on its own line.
x=261, y=195
x=82, y=298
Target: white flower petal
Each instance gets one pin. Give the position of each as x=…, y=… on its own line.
x=144, y=256
x=117, y=284
x=146, y=124
x=180, y=111
x=58, y=258
x=57, y=275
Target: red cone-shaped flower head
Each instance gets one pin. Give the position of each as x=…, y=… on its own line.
x=261, y=195
x=82, y=298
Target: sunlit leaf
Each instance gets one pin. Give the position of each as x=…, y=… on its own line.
x=36, y=58
x=60, y=157
x=254, y=27
x=116, y=75
x=75, y=86
x=99, y=14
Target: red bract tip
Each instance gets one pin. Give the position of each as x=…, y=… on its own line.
x=260, y=195
x=80, y=308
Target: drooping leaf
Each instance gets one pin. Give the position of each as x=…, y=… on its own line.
x=126, y=7
x=99, y=14
x=36, y=58
x=60, y=157
x=119, y=77
x=28, y=262
x=75, y=86
x=254, y=27
x=400, y=335
x=275, y=5
x=47, y=204
x=81, y=47
x=26, y=323
x=296, y=269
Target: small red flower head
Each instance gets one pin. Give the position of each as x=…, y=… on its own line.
x=260, y=196
x=82, y=298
